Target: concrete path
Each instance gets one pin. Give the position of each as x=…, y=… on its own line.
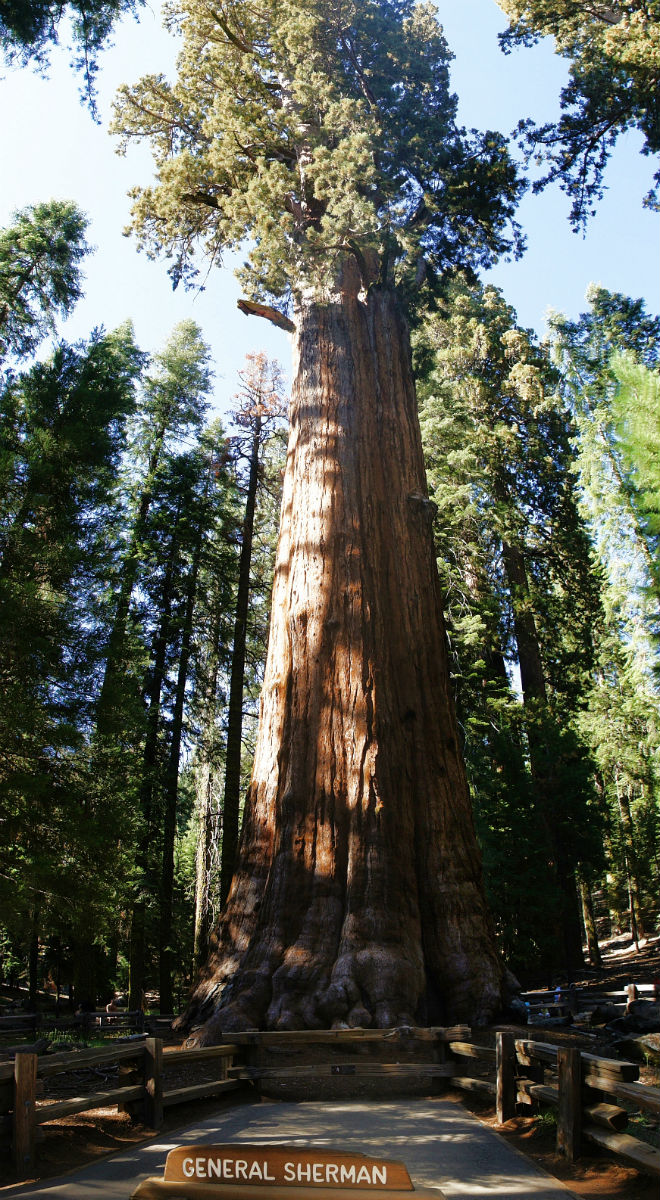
x=442, y=1145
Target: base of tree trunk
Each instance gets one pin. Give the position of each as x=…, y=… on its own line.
x=358, y=897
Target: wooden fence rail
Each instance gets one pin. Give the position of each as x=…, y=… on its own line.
x=587, y=1091
x=97, y=1024
x=143, y=1068
x=581, y=1087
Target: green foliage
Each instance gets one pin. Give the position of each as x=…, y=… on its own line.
x=614, y=52
x=40, y=273
x=28, y=29
x=637, y=413
x=300, y=132
x=621, y=725
x=520, y=589
x=586, y=351
x=59, y=861
x=619, y=722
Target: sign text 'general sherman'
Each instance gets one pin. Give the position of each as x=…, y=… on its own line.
x=284, y=1166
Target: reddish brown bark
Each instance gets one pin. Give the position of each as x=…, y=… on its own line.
x=358, y=896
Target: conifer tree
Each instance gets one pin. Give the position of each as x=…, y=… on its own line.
x=499, y=456
x=29, y=28
x=262, y=407
x=164, y=484
x=175, y=397
x=60, y=861
x=636, y=404
x=323, y=139
x=619, y=720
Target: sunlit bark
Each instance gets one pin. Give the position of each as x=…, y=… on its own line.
x=358, y=896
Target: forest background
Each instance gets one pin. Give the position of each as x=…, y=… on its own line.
x=178, y=523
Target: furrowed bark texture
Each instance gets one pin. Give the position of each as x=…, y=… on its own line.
x=358, y=896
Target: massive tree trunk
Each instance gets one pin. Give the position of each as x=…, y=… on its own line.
x=358, y=894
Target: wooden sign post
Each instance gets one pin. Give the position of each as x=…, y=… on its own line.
x=236, y=1172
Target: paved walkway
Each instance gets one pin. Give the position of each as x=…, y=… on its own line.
x=442, y=1145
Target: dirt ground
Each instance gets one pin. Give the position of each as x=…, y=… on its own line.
x=75, y=1141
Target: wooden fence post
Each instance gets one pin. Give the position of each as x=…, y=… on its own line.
x=25, y=1089
x=506, y=1077
x=569, y=1119
x=153, y=1082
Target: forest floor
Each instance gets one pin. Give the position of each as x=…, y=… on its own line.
x=75, y=1141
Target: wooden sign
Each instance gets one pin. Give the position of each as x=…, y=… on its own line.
x=283, y=1166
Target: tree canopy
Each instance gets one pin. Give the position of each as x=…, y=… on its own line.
x=41, y=254
x=614, y=86
x=315, y=131
x=29, y=28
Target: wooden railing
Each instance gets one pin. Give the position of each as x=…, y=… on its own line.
x=581, y=1086
x=588, y=1092
x=142, y=1090
x=561, y=1001
x=89, y=1024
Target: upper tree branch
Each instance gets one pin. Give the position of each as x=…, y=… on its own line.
x=252, y=308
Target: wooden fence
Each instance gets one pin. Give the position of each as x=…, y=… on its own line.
x=88, y=1024
x=569, y=1000
x=590, y=1093
x=142, y=1088
x=579, y=1085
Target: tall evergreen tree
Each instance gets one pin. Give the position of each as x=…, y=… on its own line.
x=498, y=450
x=175, y=398
x=69, y=417
x=165, y=483
x=259, y=416
x=326, y=138
x=620, y=719
x=636, y=404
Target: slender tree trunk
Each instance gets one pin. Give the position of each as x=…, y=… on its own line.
x=33, y=963
x=106, y=714
x=208, y=832
x=232, y=793
x=166, y=949
x=358, y=896
x=144, y=855
x=630, y=859
x=588, y=916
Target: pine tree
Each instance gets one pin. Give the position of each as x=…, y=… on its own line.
x=636, y=405
x=175, y=398
x=164, y=489
x=619, y=722
x=28, y=29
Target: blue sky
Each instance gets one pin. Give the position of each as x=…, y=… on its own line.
x=51, y=148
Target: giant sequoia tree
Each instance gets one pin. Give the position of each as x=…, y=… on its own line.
x=322, y=137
